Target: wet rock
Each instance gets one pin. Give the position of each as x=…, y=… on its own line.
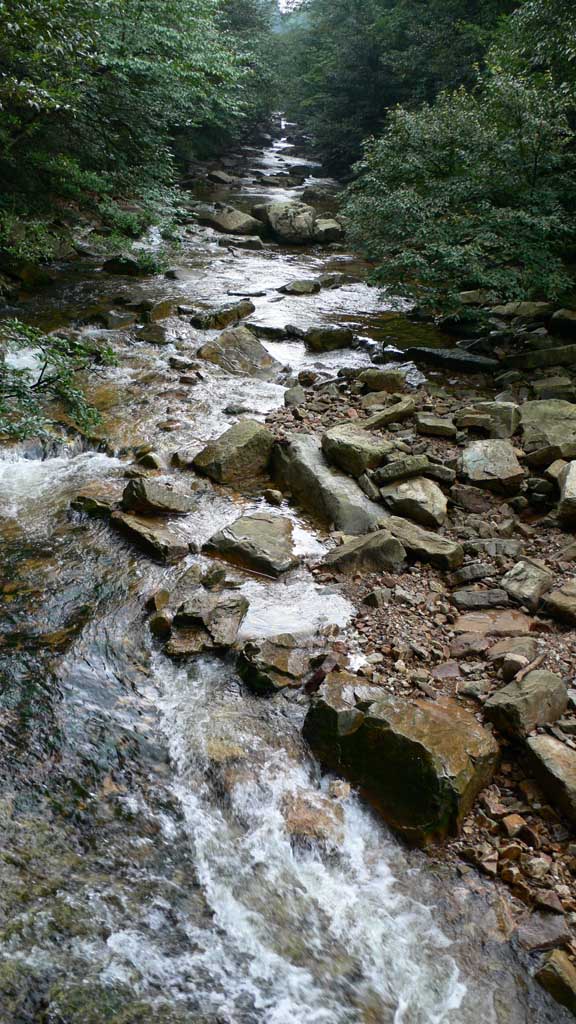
x=95, y=506
x=155, y=334
x=160, y=310
x=303, y=286
x=328, y=339
x=539, y=699
x=543, y=931
x=377, y=551
x=218, y=319
x=154, y=535
x=254, y=244
x=554, y=765
x=549, y=429
x=508, y=622
x=493, y=465
x=312, y=817
x=116, y=320
x=567, y=504
x=561, y=604
x=262, y=543
x=294, y=397
x=354, y=450
x=423, y=763
x=268, y=666
x=435, y=426
x=214, y=616
x=124, y=266
x=375, y=380
x=564, y=321
x=239, y=352
x=153, y=498
x=527, y=582
x=240, y=454
x=419, y=499
x=228, y=219
x=301, y=468
x=425, y=546
x=291, y=222
x=327, y=229
x=557, y=975
x=452, y=359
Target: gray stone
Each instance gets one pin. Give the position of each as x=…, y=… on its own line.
x=219, y=614
x=273, y=664
x=419, y=499
x=549, y=429
x=567, y=504
x=239, y=352
x=540, y=698
x=555, y=387
x=561, y=604
x=452, y=359
x=262, y=542
x=402, y=469
x=435, y=426
x=376, y=380
x=473, y=572
x=294, y=397
x=353, y=449
x=395, y=412
x=377, y=551
x=504, y=418
x=493, y=465
x=291, y=222
x=425, y=546
x=469, y=600
x=303, y=286
x=327, y=229
x=153, y=498
x=527, y=582
x=494, y=546
x=328, y=339
x=218, y=319
x=524, y=310
x=301, y=468
x=232, y=221
x=154, y=535
x=554, y=765
x=240, y=454
x=423, y=762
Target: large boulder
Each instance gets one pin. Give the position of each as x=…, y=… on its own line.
x=418, y=499
x=240, y=454
x=538, y=699
x=291, y=222
x=354, y=450
x=554, y=765
x=154, y=498
x=378, y=551
x=156, y=536
x=238, y=351
x=231, y=221
x=262, y=543
x=422, y=763
x=493, y=465
x=300, y=467
x=268, y=666
x=218, y=319
x=327, y=229
x=328, y=339
x=425, y=546
x=549, y=429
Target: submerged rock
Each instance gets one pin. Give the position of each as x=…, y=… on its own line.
x=262, y=542
x=422, y=763
x=238, y=351
x=240, y=454
x=300, y=467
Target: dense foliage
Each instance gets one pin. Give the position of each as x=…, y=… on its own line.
x=38, y=370
x=94, y=96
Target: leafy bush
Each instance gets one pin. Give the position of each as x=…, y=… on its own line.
x=50, y=374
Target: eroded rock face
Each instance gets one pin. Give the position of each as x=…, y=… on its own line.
x=422, y=763
x=313, y=818
x=153, y=534
x=376, y=551
x=300, y=467
x=493, y=465
x=238, y=351
x=554, y=765
x=354, y=450
x=538, y=699
x=262, y=542
x=268, y=666
x=418, y=499
x=154, y=498
x=240, y=454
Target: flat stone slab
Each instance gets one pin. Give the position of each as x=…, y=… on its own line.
x=152, y=534
x=561, y=604
x=540, y=698
x=549, y=429
x=507, y=622
x=154, y=498
x=423, y=545
x=262, y=543
x=354, y=450
x=301, y=468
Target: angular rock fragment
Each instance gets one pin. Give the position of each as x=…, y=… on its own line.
x=217, y=614
x=554, y=765
x=425, y=546
x=242, y=453
x=557, y=975
x=376, y=551
x=419, y=499
x=540, y=698
x=435, y=426
x=549, y=429
x=527, y=582
x=268, y=666
x=262, y=542
x=155, y=498
x=493, y=465
x=561, y=604
x=328, y=339
x=567, y=504
x=154, y=535
x=354, y=450
x=218, y=319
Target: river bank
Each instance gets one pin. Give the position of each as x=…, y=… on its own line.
x=163, y=854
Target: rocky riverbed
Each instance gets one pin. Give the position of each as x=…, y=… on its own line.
x=307, y=525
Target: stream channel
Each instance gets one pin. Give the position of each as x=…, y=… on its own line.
x=146, y=871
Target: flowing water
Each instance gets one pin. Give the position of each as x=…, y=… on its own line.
x=147, y=872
